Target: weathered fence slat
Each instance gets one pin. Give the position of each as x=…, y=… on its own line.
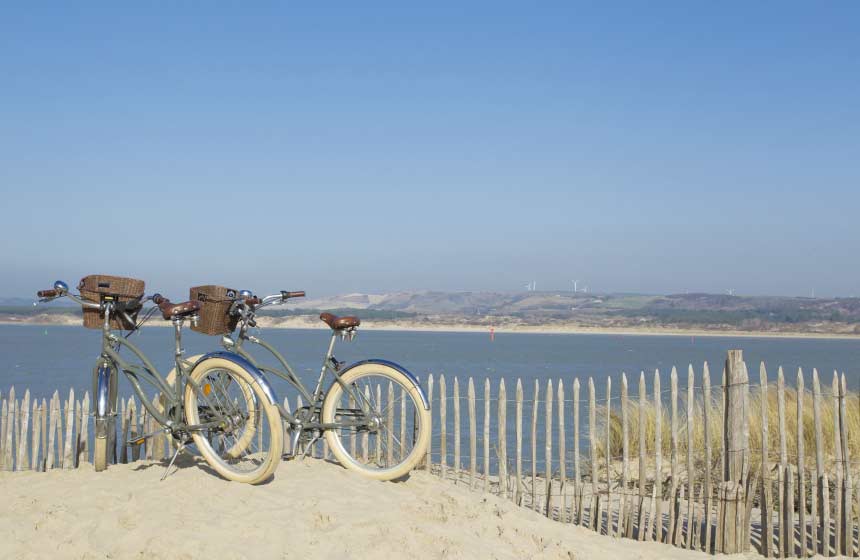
x=691, y=383
x=783, y=466
x=378, y=450
x=37, y=421
x=706, y=422
x=671, y=537
x=658, y=459
x=23, y=458
x=535, y=402
x=83, y=450
x=456, y=465
x=623, y=528
x=577, y=478
x=502, y=448
x=643, y=472
x=473, y=433
x=443, y=426
x=594, y=514
x=801, y=467
x=9, y=432
x=822, y=491
x=548, y=448
x=562, y=471
x=486, y=434
x=389, y=420
x=766, y=500
x=736, y=454
x=4, y=408
x=608, y=455
x=847, y=513
x=519, y=435
x=428, y=461
x=49, y=461
x=837, y=445
x=44, y=434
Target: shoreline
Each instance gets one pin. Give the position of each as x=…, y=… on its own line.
x=309, y=323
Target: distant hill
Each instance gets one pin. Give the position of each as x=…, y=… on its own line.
x=712, y=312
x=699, y=310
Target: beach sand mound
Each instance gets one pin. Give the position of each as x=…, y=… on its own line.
x=310, y=509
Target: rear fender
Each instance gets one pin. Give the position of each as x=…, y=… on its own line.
x=252, y=370
x=399, y=368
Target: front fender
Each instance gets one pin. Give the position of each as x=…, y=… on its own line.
x=399, y=368
x=251, y=370
x=103, y=381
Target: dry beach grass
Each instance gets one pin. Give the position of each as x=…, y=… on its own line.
x=715, y=428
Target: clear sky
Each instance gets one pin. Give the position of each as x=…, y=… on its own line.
x=372, y=146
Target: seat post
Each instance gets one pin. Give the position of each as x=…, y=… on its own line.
x=177, y=332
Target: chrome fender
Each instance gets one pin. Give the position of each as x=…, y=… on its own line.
x=104, y=418
x=399, y=368
x=251, y=370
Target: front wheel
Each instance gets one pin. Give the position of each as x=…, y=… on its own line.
x=383, y=428
x=233, y=424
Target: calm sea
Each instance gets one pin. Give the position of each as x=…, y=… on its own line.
x=47, y=358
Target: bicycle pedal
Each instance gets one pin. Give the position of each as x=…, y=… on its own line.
x=142, y=439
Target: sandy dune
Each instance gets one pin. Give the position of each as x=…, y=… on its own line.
x=311, y=509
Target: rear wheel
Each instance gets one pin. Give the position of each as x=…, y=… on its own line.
x=233, y=424
x=385, y=429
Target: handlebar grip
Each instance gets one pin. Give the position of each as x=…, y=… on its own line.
x=47, y=293
x=288, y=295
x=254, y=300
x=158, y=299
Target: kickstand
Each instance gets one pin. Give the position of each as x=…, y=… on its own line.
x=308, y=446
x=173, y=460
x=294, y=445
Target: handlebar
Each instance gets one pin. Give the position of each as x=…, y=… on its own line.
x=47, y=293
x=288, y=295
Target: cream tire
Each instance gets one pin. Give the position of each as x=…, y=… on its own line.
x=422, y=418
x=268, y=412
x=250, y=401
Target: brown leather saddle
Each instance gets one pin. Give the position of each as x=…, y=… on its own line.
x=171, y=310
x=339, y=323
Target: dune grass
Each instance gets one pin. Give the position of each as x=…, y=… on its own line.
x=715, y=428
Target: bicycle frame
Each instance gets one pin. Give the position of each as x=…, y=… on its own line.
x=110, y=363
x=314, y=398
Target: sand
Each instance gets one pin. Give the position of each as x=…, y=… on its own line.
x=311, y=509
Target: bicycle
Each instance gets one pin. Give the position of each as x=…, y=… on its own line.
x=219, y=403
x=374, y=416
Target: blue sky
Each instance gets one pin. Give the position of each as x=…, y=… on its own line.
x=339, y=147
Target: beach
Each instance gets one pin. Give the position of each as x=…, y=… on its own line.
x=310, y=509
x=420, y=325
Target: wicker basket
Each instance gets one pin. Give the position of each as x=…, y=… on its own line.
x=216, y=302
x=97, y=287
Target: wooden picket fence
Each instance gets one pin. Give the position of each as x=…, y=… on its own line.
x=560, y=455
x=724, y=496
